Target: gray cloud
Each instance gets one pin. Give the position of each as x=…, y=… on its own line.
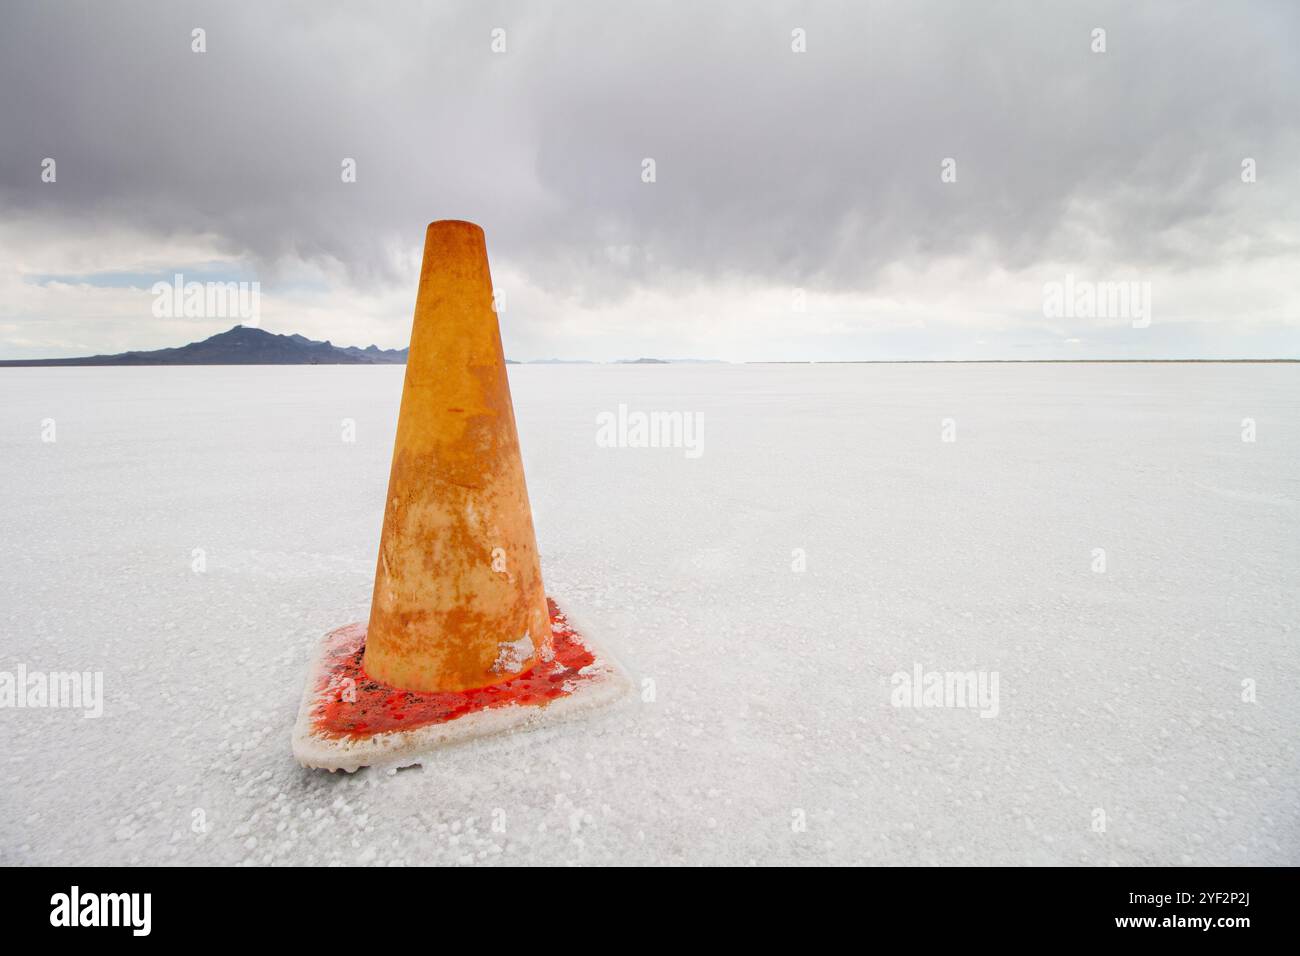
x=814, y=169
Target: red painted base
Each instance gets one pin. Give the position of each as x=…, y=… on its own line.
x=346, y=705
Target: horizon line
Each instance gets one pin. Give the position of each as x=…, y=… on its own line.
x=81, y=363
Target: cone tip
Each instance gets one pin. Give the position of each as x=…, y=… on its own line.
x=453, y=225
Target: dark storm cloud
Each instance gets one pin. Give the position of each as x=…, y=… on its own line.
x=791, y=168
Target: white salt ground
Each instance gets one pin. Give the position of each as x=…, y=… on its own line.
x=763, y=730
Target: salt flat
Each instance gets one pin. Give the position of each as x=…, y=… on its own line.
x=764, y=730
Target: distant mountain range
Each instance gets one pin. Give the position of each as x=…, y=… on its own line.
x=240, y=346
x=248, y=346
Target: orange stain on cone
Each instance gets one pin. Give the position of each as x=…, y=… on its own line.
x=458, y=601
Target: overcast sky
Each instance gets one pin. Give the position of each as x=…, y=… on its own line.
x=775, y=171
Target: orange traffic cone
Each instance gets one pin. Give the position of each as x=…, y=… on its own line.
x=462, y=640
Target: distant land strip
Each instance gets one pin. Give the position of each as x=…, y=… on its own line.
x=243, y=345
x=1105, y=361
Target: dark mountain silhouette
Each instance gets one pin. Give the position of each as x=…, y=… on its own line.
x=239, y=346
x=242, y=345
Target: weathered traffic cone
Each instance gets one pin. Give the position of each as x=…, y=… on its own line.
x=458, y=600
x=462, y=640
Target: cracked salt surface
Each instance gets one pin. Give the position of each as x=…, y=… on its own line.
x=763, y=729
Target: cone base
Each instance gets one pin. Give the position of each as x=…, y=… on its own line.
x=348, y=720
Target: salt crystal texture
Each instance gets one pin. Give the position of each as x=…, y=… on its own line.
x=762, y=727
